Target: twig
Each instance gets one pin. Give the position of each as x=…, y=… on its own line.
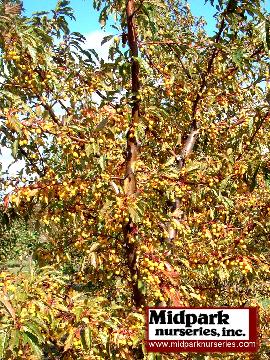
x=265, y=118
x=181, y=62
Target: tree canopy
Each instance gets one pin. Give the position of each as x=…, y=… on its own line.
x=155, y=194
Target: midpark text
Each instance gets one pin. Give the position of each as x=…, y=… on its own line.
x=236, y=326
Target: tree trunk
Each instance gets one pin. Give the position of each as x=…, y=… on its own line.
x=130, y=186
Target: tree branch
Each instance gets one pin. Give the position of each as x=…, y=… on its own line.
x=191, y=139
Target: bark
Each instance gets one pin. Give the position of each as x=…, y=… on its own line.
x=185, y=153
x=187, y=148
x=130, y=186
x=192, y=137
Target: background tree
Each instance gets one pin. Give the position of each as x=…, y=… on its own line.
x=157, y=194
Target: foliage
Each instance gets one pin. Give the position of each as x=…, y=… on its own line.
x=18, y=238
x=177, y=144
x=42, y=315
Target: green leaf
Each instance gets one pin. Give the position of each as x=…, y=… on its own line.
x=88, y=149
x=41, y=13
x=228, y=203
x=253, y=179
x=78, y=311
x=15, y=148
x=86, y=338
x=237, y=57
x=184, y=262
x=141, y=286
x=102, y=124
x=138, y=316
x=3, y=343
x=102, y=162
x=266, y=174
x=195, y=296
x=267, y=35
x=103, y=16
x=225, y=182
x=265, y=303
x=29, y=338
x=34, y=330
x=33, y=53
x=14, y=339
x=162, y=114
x=94, y=53
x=106, y=39
x=94, y=246
x=69, y=341
x=193, y=166
x=104, y=338
x=135, y=213
x=250, y=124
x=223, y=274
x=170, y=161
x=152, y=356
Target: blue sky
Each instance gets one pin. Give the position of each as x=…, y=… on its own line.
x=83, y=10
x=88, y=18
